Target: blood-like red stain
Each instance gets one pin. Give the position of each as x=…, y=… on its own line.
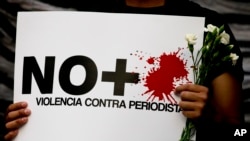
x=159, y=80
x=151, y=60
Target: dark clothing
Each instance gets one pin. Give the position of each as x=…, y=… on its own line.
x=186, y=8
x=207, y=130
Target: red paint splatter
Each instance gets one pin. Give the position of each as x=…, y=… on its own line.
x=159, y=81
x=151, y=60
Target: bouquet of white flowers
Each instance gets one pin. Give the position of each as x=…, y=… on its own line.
x=208, y=57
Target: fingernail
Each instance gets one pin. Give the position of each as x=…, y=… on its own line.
x=23, y=104
x=24, y=119
x=14, y=132
x=27, y=111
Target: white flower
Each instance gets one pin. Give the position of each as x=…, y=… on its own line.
x=234, y=57
x=231, y=46
x=224, y=38
x=211, y=28
x=191, y=39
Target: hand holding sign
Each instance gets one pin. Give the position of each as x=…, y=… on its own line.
x=17, y=116
x=193, y=99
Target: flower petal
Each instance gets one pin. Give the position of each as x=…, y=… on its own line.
x=191, y=39
x=224, y=38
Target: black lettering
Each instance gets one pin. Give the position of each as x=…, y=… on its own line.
x=154, y=106
x=91, y=75
x=120, y=77
x=39, y=101
x=146, y=105
x=44, y=83
x=58, y=101
x=111, y=103
x=88, y=102
x=131, y=104
x=170, y=108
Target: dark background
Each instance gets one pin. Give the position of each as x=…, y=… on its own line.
x=237, y=13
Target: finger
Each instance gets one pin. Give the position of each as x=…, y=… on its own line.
x=191, y=109
x=16, y=106
x=187, y=106
x=192, y=96
x=191, y=114
x=194, y=106
x=191, y=87
x=11, y=135
x=16, y=123
x=17, y=114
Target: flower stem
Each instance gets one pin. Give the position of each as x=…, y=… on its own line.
x=188, y=131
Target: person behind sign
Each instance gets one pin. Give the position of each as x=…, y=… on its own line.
x=214, y=108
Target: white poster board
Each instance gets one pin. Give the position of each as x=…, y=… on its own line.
x=102, y=76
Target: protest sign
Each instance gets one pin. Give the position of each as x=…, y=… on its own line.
x=102, y=76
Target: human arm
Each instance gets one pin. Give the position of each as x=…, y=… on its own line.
x=225, y=99
x=16, y=116
x=218, y=114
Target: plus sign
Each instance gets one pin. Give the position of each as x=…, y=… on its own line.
x=120, y=77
